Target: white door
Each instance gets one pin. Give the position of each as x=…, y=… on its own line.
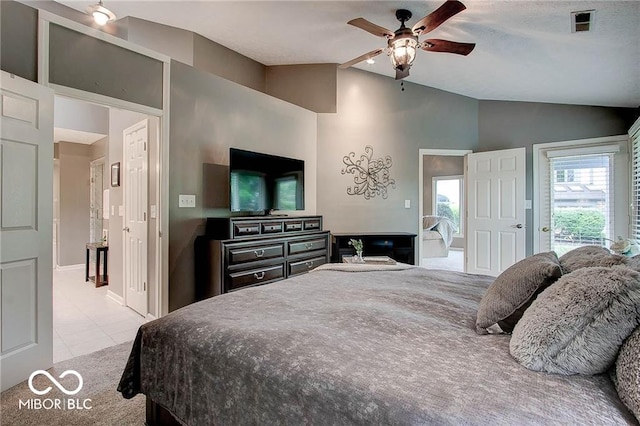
x=135, y=218
x=495, y=210
x=26, y=222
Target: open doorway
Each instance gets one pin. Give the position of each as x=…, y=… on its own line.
x=90, y=207
x=441, y=237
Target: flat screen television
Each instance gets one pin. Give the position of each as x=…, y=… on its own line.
x=260, y=183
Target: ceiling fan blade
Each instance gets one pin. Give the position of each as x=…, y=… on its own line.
x=446, y=46
x=361, y=58
x=370, y=27
x=402, y=73
x=438, y=16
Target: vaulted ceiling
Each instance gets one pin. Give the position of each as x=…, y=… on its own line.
x=525, y=50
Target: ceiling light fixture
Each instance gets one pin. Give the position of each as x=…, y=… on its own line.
x=371, y=61
x=101, y=15
x=403, y=46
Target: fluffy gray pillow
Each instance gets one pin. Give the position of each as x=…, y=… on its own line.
x=626, y=375
x=588, y=256
x=577, y=325
x=513, y=291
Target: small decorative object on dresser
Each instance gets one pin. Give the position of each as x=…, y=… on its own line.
x=357, y=244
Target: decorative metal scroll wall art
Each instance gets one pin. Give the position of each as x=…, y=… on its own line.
x=371, y=176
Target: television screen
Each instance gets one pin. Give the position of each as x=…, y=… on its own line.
x=263, y=182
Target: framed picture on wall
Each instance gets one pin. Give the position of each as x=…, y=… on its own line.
x=115, y=174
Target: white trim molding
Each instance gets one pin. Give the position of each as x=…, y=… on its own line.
x=70, y=267
x=118, y=299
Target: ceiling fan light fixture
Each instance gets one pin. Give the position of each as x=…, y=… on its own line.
x=403, y=51
x=101, y=15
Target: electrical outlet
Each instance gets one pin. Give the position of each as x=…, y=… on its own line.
x=186, y=200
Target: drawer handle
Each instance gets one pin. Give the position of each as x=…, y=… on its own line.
x=259, y=275
x=308, y=245
x=309, y=264
x=259, y=253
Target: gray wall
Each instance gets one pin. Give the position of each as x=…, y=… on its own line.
x=18, y=40
x=372, y=110
x=504, y=125
x=312, y=86
x=217, y=59
x=74, y=200
x=208, y=115
x=174, y=42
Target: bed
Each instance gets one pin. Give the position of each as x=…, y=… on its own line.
x=352, y=344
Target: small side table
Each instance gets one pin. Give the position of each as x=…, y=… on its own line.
x=103, y=279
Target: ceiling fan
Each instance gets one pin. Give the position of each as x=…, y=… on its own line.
x=403, y=43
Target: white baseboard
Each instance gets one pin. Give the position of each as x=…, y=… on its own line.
x=118, y=299
x=70, y=267
x=151, y=317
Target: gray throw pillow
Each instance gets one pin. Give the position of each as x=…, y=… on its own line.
x=577, y=325
x=588, y=256
x=626, y=375
x=513, y=291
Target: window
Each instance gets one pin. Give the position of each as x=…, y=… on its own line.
x=581, y=200
x=447, y=196
x=585, y=206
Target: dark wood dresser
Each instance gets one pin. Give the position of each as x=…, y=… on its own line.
x=240, y=252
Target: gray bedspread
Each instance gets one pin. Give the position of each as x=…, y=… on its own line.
x=332, y=347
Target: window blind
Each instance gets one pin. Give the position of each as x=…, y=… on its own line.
x=635, y=182
x=580, y=198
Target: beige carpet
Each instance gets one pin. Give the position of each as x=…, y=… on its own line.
x=101, y=373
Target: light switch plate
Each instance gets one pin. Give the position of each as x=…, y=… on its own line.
x=407, y=204
x=186, y=200
x=153, y=211
x=527, y=204
x=121, y=211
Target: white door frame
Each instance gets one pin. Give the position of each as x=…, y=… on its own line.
x=161, y=233
x=539, y=151
x=421, y=154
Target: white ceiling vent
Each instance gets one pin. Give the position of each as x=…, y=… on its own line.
x=582, y=21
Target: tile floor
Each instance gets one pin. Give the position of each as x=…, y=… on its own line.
x=85, y=319
x=455, y=261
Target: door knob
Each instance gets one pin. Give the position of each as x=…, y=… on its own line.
x=126, y=229
x=545, y=229
x=519, y=226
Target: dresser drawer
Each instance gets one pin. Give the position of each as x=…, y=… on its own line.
x=307, y=245
x=241, y=229
x=240, y=255
x=271, y=227
x=311, y=224
x=303, y=266
x=255, y=276
x=292, y=226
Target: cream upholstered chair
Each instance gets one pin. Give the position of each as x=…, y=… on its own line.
x=437, y=234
